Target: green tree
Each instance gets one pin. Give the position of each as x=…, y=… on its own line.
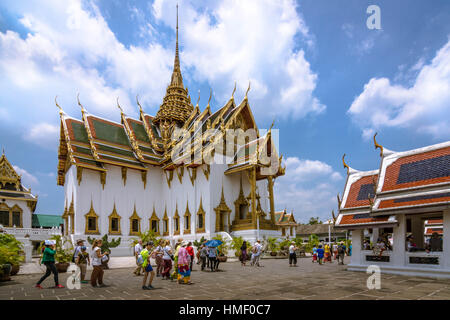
x=236, y=245
x=11, y=250
x=146, y=236
x=272, y=244
x=106, y=245
x=312, y=241
x=314, y=220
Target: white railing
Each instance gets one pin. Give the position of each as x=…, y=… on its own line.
x=32, y=233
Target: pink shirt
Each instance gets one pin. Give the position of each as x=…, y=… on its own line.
x=183, y=256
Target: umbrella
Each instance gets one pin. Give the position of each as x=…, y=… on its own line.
x=213, y=243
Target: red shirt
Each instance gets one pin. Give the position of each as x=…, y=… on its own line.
x=190, y=250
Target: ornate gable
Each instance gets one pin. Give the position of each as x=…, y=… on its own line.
x=8, y=175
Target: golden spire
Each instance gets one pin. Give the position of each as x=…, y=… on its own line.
x=177, y=79
x=176, y=105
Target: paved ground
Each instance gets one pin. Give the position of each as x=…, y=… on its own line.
x=276, y=280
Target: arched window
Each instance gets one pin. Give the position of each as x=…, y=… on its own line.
x=135, y=223
x=114, y=222
x=91, y=224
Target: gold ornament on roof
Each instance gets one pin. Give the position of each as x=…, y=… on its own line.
x=176, y=106
x=345, y=165
x=377, y=145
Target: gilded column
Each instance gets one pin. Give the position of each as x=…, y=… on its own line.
x=272, y=204
x=252, y=176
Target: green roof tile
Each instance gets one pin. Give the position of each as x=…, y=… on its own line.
x=46, y=220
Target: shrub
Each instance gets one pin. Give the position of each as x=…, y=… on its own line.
x=272, y=244
x=223, y=248
x=11, y=250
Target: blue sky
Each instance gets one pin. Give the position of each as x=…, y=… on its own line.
x=328, y=81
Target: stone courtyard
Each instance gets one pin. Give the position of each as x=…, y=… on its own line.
x=274, y=280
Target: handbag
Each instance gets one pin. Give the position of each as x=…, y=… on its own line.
x=170, y=255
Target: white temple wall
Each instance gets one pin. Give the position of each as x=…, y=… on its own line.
x=26, y=212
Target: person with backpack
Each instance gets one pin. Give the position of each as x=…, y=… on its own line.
x=82, y=262
x=256, y=253
x=137, y=250
x=314, y=254
x=167, y=260
x=48, y=259
x=341, y=253
x=158, y=258
x=97, y=256
x=145, y=255
x=292, y=255
x=212, y=257
x=80, y=243
x=203, y=255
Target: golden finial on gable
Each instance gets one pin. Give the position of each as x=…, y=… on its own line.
x=60, y=109
x=210, y=96
x=234, y=90
x=345, y=165
x=248, y=89
x=198, y=100
x=377, y=145
x=137, y=101
x=118, y=105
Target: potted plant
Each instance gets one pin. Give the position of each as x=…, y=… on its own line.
x=5, y=265
x=272, y=245
x=14, y=252
x=106, y=246
x=236, y=245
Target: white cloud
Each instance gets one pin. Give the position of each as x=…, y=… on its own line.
x=28, y=180
x=249, y=40
x=70, y=48
x=43, y=134
x=423, y=107
x=309, y=188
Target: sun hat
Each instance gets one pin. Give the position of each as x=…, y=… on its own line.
x=49, y=242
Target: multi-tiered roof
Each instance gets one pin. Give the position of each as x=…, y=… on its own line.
x=411, y=181
x=93, y=142
x=11, y=187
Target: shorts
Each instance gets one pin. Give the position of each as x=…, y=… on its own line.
x=148, y=268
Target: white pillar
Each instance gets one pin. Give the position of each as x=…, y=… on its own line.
x=446, y=239
x=356, y=258
x=399, y=251
x=28, y=248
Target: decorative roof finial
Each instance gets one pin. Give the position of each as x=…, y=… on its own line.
x=137, y=101
x=234, y=90
x=339, y=201
x=60, y=109
x=334, y=217
x=271, y=126
x=248, y=89
x=118, y=105
x=377, y=145
x=79, y=103
x=210, y=96
x=198, y=100
x=345, y=165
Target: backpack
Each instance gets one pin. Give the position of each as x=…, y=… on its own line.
x=73, y=256
x=140, y=260
x=341, y=249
